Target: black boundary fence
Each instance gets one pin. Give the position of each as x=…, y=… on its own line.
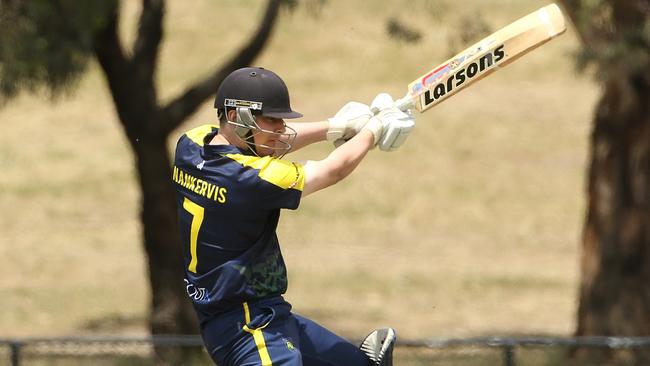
x=14, y=348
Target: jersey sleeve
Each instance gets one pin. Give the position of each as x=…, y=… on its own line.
x=277, y=183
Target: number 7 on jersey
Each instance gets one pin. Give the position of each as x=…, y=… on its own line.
x=197, y=219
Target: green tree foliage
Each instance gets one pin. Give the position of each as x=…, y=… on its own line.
x=615, y=35
x=47, y=44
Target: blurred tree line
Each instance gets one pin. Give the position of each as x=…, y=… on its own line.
x=49, y=43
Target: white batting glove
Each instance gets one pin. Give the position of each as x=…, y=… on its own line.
x=382, y=101
x=397, y=126
x=347, y=122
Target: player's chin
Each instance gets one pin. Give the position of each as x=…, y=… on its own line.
x=273, y=148
x=267, y=151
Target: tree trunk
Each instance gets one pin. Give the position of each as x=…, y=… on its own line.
x=134, y=95
x=615, y=285
x=161, y=241
x=147, y=126
x=171, y=310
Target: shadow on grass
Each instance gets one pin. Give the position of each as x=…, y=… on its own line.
x=485, y=356
x=114, y=323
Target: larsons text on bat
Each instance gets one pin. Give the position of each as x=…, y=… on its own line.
x=463, y=75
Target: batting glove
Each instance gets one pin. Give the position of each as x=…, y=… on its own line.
x=347, y=122
x=397, y=127
x=382, y=101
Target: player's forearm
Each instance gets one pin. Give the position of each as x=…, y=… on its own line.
x=338, y=164
x=308, y=133
x=348, y=156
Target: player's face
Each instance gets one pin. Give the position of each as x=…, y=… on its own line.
x=269, y=143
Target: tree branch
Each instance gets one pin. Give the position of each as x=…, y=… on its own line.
x=175, y=112
x=150, y=32
x=110, y=55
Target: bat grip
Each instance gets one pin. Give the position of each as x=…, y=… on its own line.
x=405, y=103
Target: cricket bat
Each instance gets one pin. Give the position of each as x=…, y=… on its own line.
x=481, y=59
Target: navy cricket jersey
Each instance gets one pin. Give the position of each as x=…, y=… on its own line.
x=229, y=205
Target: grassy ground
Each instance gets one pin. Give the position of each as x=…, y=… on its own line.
x=471, y=228
x=465, y=356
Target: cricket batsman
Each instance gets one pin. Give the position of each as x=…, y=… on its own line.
x=232, y=180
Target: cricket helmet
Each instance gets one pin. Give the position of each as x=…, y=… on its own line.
x=260, y=90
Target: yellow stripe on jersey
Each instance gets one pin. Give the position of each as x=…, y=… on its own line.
x=197, y=134
x=258, y=336
x=282, y=173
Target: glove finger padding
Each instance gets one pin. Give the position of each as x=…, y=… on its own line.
x=347, y=122
x=352, y=109
x=381, y=102
x=397, y=127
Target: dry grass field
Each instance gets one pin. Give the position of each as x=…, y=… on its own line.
x=472, y=228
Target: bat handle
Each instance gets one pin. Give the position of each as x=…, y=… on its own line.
x=404, y=104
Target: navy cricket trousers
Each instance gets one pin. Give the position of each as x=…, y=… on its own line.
x=266, y=332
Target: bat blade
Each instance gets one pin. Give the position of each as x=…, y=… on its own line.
x=484, y=57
